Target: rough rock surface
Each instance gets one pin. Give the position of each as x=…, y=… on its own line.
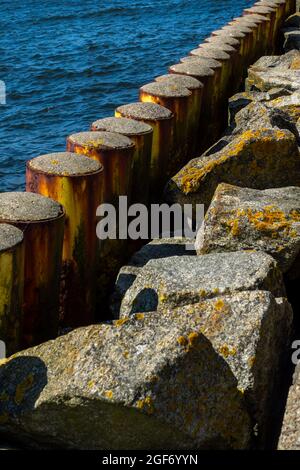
x=186, y=378
x=290, y=432
x=242, y=99
x=245, y=219
x=292, y=40
x=275, y=71
x=293, y=21
x=258, y=159
x=180, y=280
x=156, y=249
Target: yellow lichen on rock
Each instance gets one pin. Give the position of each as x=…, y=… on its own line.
x=22, y=388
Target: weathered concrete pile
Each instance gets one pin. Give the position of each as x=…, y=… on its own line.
x=198, y=354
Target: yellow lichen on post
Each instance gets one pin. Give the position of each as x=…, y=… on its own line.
x=161, y=121
x=178, y=99
x=76, y=182
x=115, y=153
x=141, y=134
x=11, y=286
x=194, y=106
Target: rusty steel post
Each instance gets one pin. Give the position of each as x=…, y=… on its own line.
x=141, y=134
x=11, y=286
x=178, y=99
x=162, y=122
x=196, y=89
x=249, y=40
x=280, y=11
x=115, y=153
x=42, y=222
x=75, y=181
x=227, y=58
x=263, y=30
x=270, y=13
x=243, y=38
x=209, y=78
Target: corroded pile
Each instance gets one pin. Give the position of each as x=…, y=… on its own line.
x=198, y=354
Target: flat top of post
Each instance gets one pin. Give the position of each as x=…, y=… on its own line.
x=196, y=69
x=10, y=237
x=121, y=125
x=217, y=40
x=260, y=9
x=145, y=111
x=65, y=164
x=164, y=89
x=231, y=31
x=210, y=52
x=28, y=207
x=101, y=140
x=255, y=17
x=223, y=46
x=239, y=27
x=207, y=61
x=189, y=82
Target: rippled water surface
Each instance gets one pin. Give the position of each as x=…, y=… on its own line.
x=68, y=63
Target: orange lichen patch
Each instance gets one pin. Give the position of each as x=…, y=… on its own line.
x=182, y=340
x=295, y=65
x=272, y=220
x=202, y=293
x=251, y=361
x=146, y=404
x=225, y=351
x=261, y=142
x=219, y=305
x=192, y=338
x=121, y=321
x=109, y=394
x=234, y=226
x=140, y=316
x=22, y=388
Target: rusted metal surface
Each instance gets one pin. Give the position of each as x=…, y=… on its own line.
x=43, y=241
x=194, y=107
x=11, y=287
x=271, y=13
x=162, y=122
x=114, y=152
x=142, y=135
x=179, y=100
x=80, y=194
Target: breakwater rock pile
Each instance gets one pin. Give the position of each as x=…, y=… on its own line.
x=195, y=352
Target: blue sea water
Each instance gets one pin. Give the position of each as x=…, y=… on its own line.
x=68, y=63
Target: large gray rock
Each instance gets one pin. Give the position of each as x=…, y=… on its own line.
x=275, y=71
x=242, y=99
x=280, y=113
x=156, y=249
x=292, y=40
x=290, y=432
x=246, y=219
x=259, y=159
x=196, y=377
x=293, y=21
x=180, y=280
